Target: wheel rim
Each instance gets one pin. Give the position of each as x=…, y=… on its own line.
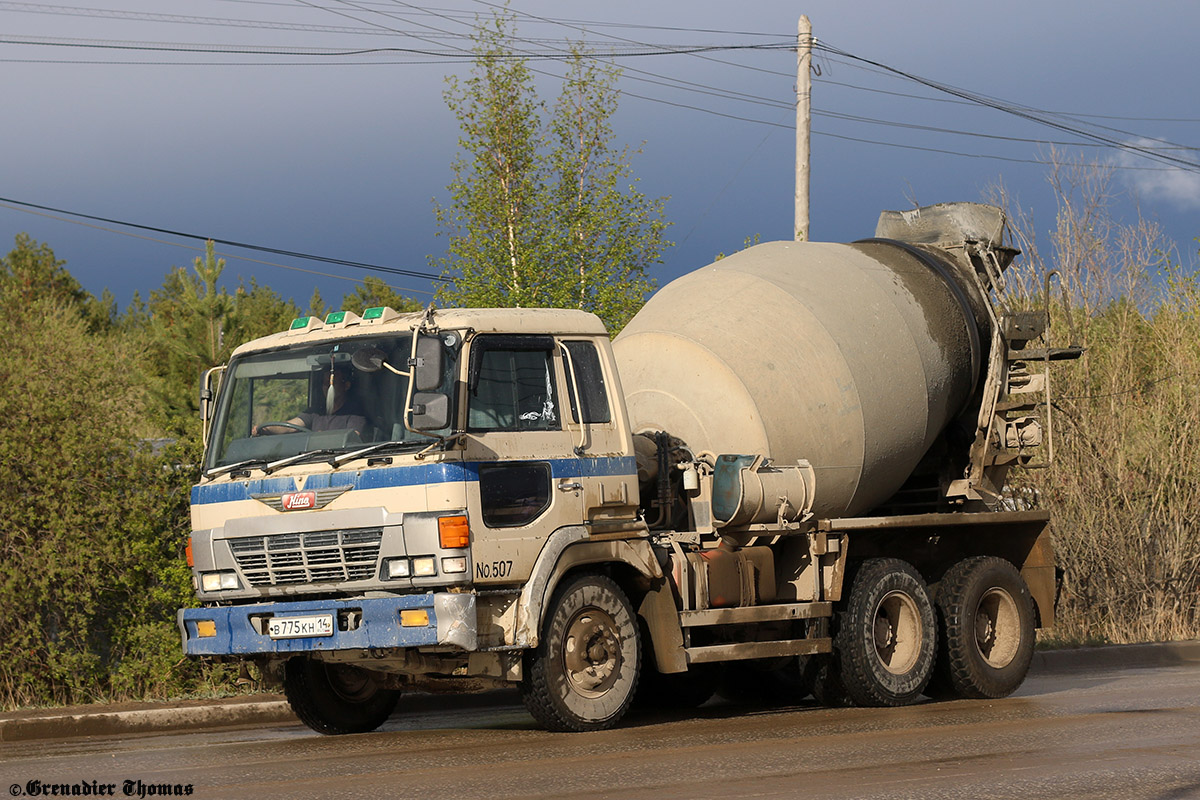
x=897, y=633
x=592, y=652
x=997, y=627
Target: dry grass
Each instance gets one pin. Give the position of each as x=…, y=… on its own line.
x=1125, y=485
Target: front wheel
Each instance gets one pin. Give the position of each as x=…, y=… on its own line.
x=336, y=698
x=887, y=635
x=987, y=620
x=583, y=674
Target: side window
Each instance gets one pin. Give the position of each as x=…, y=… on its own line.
x=512, y=388
x=513, y=494
x=594, y=396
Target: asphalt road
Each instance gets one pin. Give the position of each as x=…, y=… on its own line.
x=1129, y=733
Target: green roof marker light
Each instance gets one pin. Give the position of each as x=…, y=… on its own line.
x=379, y=315
x=302, y=325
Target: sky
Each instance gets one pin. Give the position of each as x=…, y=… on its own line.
x=282, y=139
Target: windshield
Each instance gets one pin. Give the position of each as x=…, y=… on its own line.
x=313, y=397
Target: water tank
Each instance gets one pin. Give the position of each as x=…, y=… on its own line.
x=852, y=356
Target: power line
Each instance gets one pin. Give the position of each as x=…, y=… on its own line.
x=1032, y=115
x=1072, y=116
x=936, y=129
x=667, y=82
x=270, y=50
x=145, y=16
x=430, y=11
x=408, y=273
x=951, y=101
x=552, y=21
x=234, y=256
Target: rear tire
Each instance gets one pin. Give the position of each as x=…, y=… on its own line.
x=336, y=698
x=987, y=626
x=887, y=635
x=827, y=687
x=584, y=672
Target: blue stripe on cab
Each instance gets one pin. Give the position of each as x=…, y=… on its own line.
x=414, y=475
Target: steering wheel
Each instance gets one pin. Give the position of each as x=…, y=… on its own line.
x=293, y=426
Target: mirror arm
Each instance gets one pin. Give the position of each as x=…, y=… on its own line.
x=408, y=396
x=207, y=398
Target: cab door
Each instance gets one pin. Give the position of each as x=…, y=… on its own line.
x=601, y=437
x=518, y=445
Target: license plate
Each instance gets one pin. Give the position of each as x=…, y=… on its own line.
x=300, y=627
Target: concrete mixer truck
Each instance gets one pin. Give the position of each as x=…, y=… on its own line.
x=789, y=467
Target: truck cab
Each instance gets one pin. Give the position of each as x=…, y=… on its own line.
x=402, y=525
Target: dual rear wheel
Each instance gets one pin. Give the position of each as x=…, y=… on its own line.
x=893, y=641
x=987, y=623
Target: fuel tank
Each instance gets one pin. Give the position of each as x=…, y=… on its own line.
x=854, y=357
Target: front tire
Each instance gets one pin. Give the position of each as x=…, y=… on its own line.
x=987, y=620
x=887, y=635
x=584, y=672
x=336, y=698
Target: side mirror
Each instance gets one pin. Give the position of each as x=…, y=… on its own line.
x=430, y=411
x=427, y=372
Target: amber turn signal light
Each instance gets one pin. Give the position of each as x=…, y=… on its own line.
x=453, y=532
x=191, y=562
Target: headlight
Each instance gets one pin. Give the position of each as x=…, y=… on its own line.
x=451, y=565
x=425, y=566
x=216, y=581
x=396, y=568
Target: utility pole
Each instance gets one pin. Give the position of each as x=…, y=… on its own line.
x=804, y=40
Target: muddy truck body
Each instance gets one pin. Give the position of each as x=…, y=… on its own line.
x=787, y=470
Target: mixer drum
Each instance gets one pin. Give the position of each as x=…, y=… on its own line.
x=854, y=357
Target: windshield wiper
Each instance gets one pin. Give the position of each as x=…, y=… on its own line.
x=283, y=462
x=216, y=472
x=366, y=451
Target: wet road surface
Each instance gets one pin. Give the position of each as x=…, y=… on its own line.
x=1132, y=733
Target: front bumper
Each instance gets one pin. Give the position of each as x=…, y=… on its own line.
x=359, y=624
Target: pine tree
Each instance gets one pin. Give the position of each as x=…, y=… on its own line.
x=374, y=292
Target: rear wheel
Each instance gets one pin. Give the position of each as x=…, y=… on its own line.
x=887, y=635
x=336, y=698
x=987, y=619
x=583, y=674
x=827, y=687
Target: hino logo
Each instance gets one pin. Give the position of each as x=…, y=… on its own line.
x=302, y=501
x=294, y=501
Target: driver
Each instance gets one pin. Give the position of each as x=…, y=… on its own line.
x=342, y=409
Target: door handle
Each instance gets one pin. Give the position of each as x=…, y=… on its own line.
x=570, y=487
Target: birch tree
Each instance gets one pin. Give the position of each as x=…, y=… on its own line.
x=544, y=210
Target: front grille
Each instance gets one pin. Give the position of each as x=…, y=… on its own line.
x=317, y=557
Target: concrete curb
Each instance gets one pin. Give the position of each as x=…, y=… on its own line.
x=192, y=715
x=1117, y=656
x=99, y=722
x=272, y=710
